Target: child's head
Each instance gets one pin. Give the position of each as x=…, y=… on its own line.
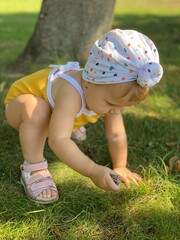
x=127, y=57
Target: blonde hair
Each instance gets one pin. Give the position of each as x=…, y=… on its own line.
x=132, y=92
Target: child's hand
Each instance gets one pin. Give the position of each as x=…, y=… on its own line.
x=100, y=175
x=126, y=175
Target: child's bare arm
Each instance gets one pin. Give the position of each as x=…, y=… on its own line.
x=117, y=142
x=60, y=129
x=61, y=125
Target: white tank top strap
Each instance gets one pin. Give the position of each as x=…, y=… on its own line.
x=66, y=67
x=49, y=86
x=57, y=72
x=73, y=82
x=78, y=88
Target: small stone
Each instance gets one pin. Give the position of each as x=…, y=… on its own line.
x=115, y=178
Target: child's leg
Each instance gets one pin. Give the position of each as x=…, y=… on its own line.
x=30, y=115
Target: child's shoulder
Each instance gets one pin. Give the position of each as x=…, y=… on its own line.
x=67, y=89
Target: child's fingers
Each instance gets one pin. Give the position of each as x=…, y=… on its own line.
x=135, y=178
x=125, y=180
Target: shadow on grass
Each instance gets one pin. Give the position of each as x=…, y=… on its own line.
x=147, y=137
x=16, y=27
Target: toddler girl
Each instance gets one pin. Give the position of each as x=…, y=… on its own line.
x=58, y=101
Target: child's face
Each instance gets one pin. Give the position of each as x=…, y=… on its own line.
x=103, y=99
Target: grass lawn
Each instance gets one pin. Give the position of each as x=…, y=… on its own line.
x=84, y=212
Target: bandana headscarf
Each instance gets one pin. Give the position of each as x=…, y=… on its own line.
x=123, y=56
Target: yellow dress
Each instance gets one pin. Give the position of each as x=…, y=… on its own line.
x=39, y=84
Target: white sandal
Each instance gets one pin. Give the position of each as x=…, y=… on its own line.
x=35, y=184
x=79, y=135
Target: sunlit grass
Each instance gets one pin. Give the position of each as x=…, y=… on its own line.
x=152, y=7
x=20, y=6
x=155, y=106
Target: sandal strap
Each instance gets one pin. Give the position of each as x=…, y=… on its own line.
x=76, y=135
x=82, y=129
x=29, y=167
x=37, y=178
x=44, y=185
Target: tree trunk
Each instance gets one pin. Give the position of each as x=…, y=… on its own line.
x=67, y=28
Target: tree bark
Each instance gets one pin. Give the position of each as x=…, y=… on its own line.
x=66, y=29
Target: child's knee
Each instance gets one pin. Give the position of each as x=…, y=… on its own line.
x=28, y=108
x=37, y=111
x=12, y=114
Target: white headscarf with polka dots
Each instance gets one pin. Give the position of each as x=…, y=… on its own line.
x=123, y=56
